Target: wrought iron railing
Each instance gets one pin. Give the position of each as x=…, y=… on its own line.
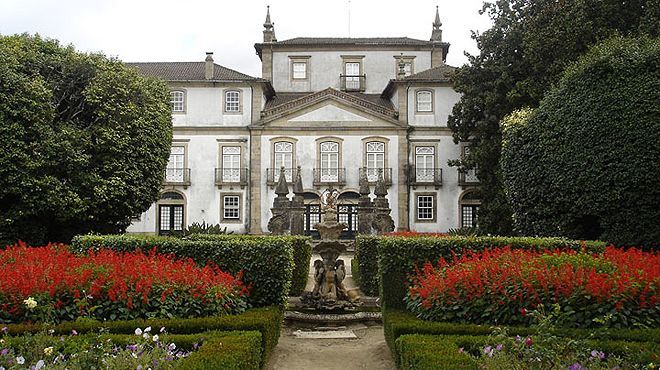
x=425, y=176
x=468, y=178
x=273, y=175
x=373, y=174
x=231, y=176
x=329, y=176
x=177, y=176
x=352, y=82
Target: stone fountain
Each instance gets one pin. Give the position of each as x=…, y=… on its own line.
x=329, y=293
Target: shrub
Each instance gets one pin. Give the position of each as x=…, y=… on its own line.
x=422, y=352
x=499, y=286
x=302, y=253
x=266, y=320
x=265, y=262
x=392, y=259
x=52, y=284
x=585, y=163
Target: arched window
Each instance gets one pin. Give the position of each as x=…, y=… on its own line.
x=283, y=157
x=171, y=213
x=329, y=161
x=424, y=163
x=469, y=208
x=177, y=100
x=424, y=101
x=375, y=159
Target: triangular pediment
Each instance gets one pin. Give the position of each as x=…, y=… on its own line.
x=329, y=106
x=330, y=113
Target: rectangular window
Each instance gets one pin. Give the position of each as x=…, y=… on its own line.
x=232, y=101
x=352, y=70
x=424, y=101
x=231, y=162
x=177, y=100
x=299, y=70
x=425, y=208
x=175, y=166
x=375, y=159
x=231, y=207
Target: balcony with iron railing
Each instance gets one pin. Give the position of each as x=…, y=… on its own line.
x=353, y=82
x=425, y=176
x=468, y=178
x=273, y=175
x=373, y=174
x=330, y=176
x=231, y=177
x=177, y=177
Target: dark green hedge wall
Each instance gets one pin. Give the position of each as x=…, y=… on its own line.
x=586, y=163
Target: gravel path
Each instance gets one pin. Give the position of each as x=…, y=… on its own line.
x=368, y=351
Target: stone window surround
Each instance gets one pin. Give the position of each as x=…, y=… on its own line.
x=417, y=144
x=464, y=202
x=224, y=220
x=406, y=59
x=333, y=139
x=434, y=197
x=299, y=59
x=171, y=202
x=242, y=143
x=182, y=143
x=381, y=139
x=185, y=100
x=417, y=91
x=352, y=59
x=278, y=139
x=224, y=101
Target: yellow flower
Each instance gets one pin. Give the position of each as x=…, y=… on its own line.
x=48, y=351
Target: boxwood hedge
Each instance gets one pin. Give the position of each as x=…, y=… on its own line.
x=391, y=259
x=302, y=253
x=266, y=262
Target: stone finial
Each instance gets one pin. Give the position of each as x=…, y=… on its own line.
x=380, y=190
x=269, y=28
x=401, y=71
x=298, y=184
x=364, y=183
x=282, y=187
x=436, y=35
x=208, y=66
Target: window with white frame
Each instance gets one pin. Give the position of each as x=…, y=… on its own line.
x=352, y=72
x=375, y=159
x=424, y=163
x=299, y=70
x=177, y=101
x=469, y=206
x=232, y=101
x=231, y=207
x=425, y=208
x=231, y=162
x=283, y=157
x=329, y=161
x=175, y=171
x=471, y=175
x=424, y=101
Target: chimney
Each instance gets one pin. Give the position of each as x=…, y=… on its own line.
x=208, y=70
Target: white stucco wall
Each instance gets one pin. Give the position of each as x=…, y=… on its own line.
x=324, y=68
x=204, y=106
x=202, y=197
x=306, y=156
x=444, y=99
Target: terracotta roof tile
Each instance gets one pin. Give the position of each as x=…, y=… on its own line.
x=440, y=73
x=188, y=71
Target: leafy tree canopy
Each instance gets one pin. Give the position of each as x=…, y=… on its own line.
x=85, y=141
x=586, y=163
x=521, y=57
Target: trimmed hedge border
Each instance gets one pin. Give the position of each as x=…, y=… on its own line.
x=302, y=253
x=266, y=320
x=398, y=324
x=266, y=262
x=387, y=261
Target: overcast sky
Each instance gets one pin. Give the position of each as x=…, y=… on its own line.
x=178, y=30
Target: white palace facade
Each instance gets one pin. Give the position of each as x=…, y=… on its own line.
x=331, y=107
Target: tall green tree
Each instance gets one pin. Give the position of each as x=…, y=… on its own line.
x=529, y=45
x=85, y=141
x=585, y=164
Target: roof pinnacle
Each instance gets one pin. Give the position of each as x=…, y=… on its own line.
x=269, y=27
x=436, y=35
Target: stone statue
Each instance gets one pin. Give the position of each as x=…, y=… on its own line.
x=319, y=277
x=329, y=199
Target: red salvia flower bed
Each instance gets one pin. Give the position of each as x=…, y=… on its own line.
x=500, y=286
x=110, y=285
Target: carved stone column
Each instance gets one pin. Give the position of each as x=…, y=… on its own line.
x=382, y=220
x=365, y=208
